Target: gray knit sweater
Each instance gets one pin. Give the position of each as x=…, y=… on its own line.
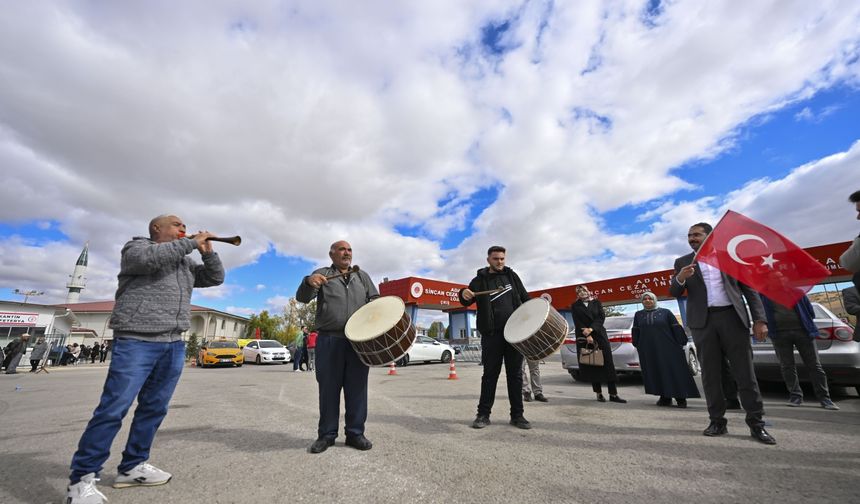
x=155, y=283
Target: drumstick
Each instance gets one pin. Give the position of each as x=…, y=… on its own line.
x=348, y=272
x=491, y=292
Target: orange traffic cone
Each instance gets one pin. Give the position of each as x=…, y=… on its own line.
x=392, y=369
x=452, y=371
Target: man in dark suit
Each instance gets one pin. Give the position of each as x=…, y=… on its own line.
x=718, y=319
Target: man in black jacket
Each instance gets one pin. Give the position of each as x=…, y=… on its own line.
x=494, y=309
x=718, y=319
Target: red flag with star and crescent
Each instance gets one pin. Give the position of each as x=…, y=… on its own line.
x=761, y=258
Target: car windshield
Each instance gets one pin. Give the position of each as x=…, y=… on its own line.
x=618, y=323
x=223, y=344
x=270, y=344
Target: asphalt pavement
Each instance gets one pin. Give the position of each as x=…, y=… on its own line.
x=241, y=434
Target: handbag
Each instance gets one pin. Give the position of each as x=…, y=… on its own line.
x=591, y=356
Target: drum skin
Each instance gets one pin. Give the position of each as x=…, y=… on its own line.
x=387, y=346
x=544, y=341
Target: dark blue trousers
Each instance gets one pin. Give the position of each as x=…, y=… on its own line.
x=339, y=368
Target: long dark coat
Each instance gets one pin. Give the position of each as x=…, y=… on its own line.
x=593, y=316
x=660, y=341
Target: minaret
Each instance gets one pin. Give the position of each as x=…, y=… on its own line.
x=78, y=281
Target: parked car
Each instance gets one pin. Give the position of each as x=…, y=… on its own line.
x=619, y=329
x=427, y=350
x=838, y=351
x=220, y=353
x=265, y=351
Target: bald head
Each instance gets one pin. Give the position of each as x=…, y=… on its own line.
x=166, y=228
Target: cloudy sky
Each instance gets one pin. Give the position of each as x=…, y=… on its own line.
x=583, y=136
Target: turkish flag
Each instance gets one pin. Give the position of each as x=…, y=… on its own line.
x=257, y=333
x=761, y=258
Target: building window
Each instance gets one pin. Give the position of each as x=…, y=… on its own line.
x=223, y=323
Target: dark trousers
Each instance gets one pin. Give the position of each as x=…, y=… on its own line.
x=613, y=388
x=34, y=363
x=495, y=351
x=784, y=343
x=730, y=388
x=297, y=358
x=339, y=368
x=725, y=334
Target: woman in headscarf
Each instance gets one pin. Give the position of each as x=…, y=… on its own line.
x=588, y=317
x=660, y=340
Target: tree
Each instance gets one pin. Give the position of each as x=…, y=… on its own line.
x=296, y=315
x=270, y=326
x=192, y=346
x=436, y=330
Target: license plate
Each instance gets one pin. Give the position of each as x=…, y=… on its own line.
x=226, y=360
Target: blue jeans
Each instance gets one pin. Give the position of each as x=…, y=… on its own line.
x=297, y=358
x=142, y=369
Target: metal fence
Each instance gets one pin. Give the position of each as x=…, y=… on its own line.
x=469, y=353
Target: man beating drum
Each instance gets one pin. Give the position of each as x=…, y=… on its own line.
x=498, y=292
x=340, y=290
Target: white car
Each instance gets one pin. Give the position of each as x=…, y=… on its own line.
x=427, y=350
x=265, y=351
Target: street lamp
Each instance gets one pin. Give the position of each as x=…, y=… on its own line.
x=28, y=293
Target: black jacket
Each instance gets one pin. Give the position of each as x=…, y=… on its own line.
x=485, y=310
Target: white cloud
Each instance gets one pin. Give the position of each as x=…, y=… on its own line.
x=222, y=291
x=260, y=287
x=241, y=310
x=276, y=304
x=806, y=114
x=298, y=123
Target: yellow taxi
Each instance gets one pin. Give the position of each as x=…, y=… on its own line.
x=221, y=352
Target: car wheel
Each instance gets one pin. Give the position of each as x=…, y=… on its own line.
x=574, y=373
x=446, y=356
x=693, y=362
x=403, y=360
x=238, y=365
x=258, y=361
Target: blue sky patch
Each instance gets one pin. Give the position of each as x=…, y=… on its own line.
x=34, y=232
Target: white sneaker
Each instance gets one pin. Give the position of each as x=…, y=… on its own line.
x=85, y=491
x=142, y=474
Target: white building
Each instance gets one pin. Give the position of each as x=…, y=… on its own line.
x=35, y=319
x=206, y=323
